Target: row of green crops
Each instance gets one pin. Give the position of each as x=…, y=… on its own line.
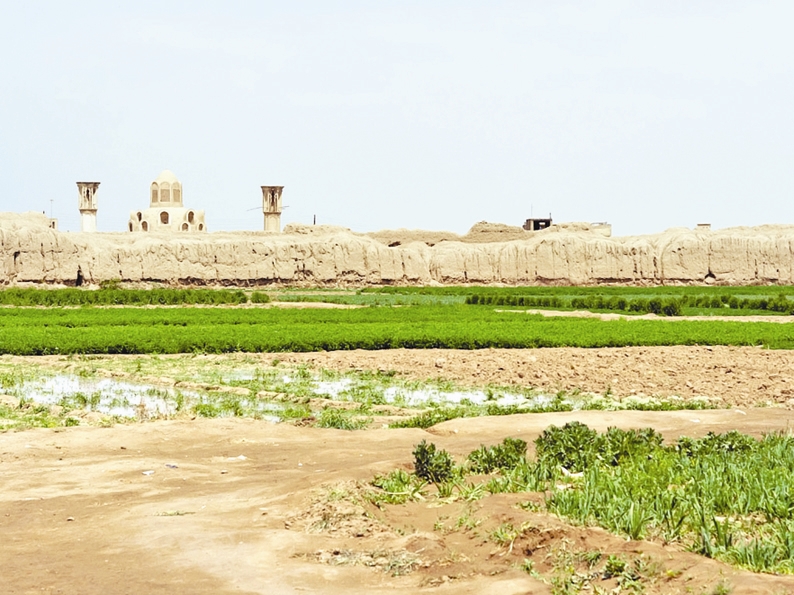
x=26, y=331
x=726, y=496
x=125, y=297
x=670, y=306
x=567, y=291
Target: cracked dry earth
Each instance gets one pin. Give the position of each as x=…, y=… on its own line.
x=221, y=506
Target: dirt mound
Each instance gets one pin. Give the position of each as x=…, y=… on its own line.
x=484, y=232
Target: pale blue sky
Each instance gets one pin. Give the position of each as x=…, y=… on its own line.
x=419, y=114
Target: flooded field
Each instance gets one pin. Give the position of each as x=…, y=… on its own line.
x=63, y=391
x=270, y=395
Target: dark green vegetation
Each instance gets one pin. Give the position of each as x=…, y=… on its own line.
x=725, y=496
x=112, y=296
x=186, y=330
x=663, y=291
x=697, y=300
x=671, y=306
x=426, y=318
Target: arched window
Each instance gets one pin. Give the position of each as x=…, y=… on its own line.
x=201, y=227
x=155, y=192
x=165, y=192
x=164, y=217
x=177, y=192
x=130, y=225
x=190, y=216
x=184, y=227
x=140, y=215
x=145, y=226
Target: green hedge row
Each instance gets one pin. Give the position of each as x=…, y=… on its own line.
x=670, y=306
x=125, y=297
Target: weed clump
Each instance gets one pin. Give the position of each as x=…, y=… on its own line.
x=340, y=420
x=505, y=456
x=430, y=464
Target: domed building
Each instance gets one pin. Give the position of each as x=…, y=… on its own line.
x=166, y=211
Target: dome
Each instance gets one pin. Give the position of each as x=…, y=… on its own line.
x=167, y=176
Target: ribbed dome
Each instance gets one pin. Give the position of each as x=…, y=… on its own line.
x=167, y=176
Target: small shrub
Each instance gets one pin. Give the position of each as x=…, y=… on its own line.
x=505, y=456
x=571, y=446
x=432, y=465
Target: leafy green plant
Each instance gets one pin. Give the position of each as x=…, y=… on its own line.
x=614, y=566
x=432, y=465
x=503, y=456
x=571, y=446
x=396, y=487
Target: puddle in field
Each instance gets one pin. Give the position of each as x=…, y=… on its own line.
x=345, y=388
x=105, y=395
x=128, y=399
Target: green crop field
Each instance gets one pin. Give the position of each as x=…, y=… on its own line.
x=34, y=331
x=40, y=321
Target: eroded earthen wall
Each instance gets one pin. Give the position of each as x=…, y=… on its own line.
x=32, y=252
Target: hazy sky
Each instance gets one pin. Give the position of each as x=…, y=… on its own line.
x=428, y=114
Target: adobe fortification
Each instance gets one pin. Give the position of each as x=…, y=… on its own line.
x=32, y=252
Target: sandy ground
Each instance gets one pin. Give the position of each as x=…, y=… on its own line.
x=239, y=506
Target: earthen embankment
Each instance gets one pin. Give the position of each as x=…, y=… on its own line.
x=30, y=252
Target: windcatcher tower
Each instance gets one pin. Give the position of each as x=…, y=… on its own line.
x=87, y=204
x=271, y=207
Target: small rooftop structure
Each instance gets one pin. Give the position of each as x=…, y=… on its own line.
x=537, y=224
x=166, y=211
